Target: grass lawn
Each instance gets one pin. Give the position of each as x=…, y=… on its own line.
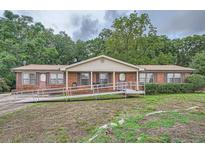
x=77, y=121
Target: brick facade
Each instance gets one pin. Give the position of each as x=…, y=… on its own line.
x=129, y=76
x=20, y=86
x=72, y=78
x=159, y=77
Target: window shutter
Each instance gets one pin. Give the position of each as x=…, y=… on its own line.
x=78, y=79
x=47, y=78
x=97, y=77
x=37, y=78
x=20, y=78
x=109, y=77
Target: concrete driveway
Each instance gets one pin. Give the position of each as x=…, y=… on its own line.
x=8, y=104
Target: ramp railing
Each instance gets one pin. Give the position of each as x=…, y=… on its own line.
x=37, y=94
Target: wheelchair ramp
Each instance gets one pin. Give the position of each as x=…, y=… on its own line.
x=59, y=98
x=57, y=94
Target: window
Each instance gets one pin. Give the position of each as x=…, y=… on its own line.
x=84, y=78
x=170, y=78
x=173, y=77
x=56, y=78
x=142, y=78
x=122, y=77
x=150, y=78
x=146, y=78
x=177, y=78
x=103, y=78
x=29, y=78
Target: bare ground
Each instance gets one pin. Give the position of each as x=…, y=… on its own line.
x=60, y=122
x=76, y=121
x=188, y=132
x=185, y=133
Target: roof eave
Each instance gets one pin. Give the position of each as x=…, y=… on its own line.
x=21, y=70
x=170, y=70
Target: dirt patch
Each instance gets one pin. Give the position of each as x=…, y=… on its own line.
x=186, y=125
x=61, y=122
x=186, y=133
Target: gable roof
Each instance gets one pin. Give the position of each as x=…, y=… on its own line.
x=102, y=56
x=166, y=68
x=37, y=67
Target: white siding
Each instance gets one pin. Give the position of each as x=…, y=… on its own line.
x=102, y=65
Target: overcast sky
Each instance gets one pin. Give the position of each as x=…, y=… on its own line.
x=86, y=25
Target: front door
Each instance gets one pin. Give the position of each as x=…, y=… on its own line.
x=42, y=82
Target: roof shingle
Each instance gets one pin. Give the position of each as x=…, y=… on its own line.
x=165, y=68
x=37, y=67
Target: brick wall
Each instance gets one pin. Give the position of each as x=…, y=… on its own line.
x=129, y=77
x=20, y=86
x=160, y=77
x=94, y=77
x=18, y=80
x=72, y=77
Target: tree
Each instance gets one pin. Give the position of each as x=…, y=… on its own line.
x=3, y=85
x=187, y=47
x=81, y=52
x=198, y=63
x=131, y=38
x=9, y=15
x=65, y=47
x=163, y=59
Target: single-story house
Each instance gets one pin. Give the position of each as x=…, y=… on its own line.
x=97, y=70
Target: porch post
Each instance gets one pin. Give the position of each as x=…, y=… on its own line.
x=66, y=79
x=91, y=80
x=113, y=80
x=137, y=80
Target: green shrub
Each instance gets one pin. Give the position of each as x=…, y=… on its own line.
x=3, y=86
x=169, y=88
x=192, y=83
x=197, y=80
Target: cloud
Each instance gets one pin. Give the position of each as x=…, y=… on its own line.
x=91, y=26
x=111, y=15
x=87, y=24
x=88, y=28
x=186, y=22
x=178, y=23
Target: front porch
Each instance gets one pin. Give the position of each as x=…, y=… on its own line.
x=109, y=80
